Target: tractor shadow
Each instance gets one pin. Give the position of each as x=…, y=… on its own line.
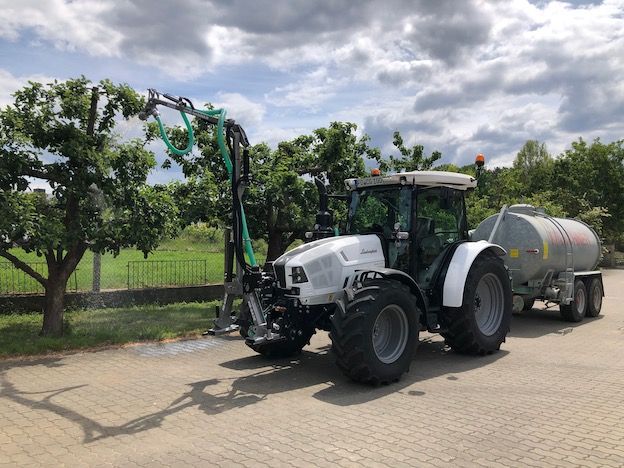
x=262, y=379
x=540, y=322
x=432, y=359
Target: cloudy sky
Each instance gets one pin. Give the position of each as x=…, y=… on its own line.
x=458, y=76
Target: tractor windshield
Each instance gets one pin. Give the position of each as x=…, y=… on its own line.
x=378, y=210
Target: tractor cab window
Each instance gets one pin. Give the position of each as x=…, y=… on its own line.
x=379, y=210
x=440, y=222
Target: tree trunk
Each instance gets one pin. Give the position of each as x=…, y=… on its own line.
x=275, y=247
x=54, y=306
x=611, y=258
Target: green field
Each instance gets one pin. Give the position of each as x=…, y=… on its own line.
x=198, y=259
x=103, y=327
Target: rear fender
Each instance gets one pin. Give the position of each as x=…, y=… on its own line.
x=463, y=258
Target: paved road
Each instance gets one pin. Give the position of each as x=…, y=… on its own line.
x=553, y=396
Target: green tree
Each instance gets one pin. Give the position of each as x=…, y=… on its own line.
x=589, y=179
x=62, y=134
x=410, y=159
x=532, y=168
x=281, y=200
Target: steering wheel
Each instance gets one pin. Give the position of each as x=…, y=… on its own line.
x=445, y=242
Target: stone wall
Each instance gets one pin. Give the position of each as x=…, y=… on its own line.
x=114, y=298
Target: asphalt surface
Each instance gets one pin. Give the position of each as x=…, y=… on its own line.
x=553, y=396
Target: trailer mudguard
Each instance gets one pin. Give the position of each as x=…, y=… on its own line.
x=457, y=272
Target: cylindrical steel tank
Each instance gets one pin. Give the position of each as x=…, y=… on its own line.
x=536, y=243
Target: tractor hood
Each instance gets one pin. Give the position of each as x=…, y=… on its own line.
x=323, y=267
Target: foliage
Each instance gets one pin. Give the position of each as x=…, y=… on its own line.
x=590, y=183
x=282, y=199
x=410, y=159
x=62, y=134
x=533, y=166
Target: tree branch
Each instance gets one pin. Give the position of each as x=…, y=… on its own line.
x=72, y=258
x=24, y=267
x=39, y=174
x=311, y=170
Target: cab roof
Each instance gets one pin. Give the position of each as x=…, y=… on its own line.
x=426, y=178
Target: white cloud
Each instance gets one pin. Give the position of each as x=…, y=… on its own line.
x=67, y=25
x=461, y=77
x=240, y=108
x=10, y=83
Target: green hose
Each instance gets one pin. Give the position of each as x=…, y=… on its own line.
x=225, y=155
x=189, y=131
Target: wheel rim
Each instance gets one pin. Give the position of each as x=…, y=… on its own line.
x=390, y=333
x=580, y=300
x=596, y=297
x=489, y=304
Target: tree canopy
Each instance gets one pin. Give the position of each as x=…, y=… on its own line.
x=61, y=135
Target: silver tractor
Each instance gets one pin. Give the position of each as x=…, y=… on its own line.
x=404, y=265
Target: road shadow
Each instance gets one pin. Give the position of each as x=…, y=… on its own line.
x=432, y=359
x=215, y=396
x=14, y=363
x=540, y=321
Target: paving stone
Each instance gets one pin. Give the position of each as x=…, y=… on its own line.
x=546, y=399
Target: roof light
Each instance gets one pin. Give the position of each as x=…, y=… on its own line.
x=375, y=172
x=480, y=160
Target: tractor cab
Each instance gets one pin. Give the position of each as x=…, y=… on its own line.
x=417, y=215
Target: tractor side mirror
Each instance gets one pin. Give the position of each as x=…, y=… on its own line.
x=398, y=234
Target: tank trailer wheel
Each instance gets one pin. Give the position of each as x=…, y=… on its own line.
x=575, y=311
x=481, y=324
x=374, y=339
x=595, y=298
x=275, y=350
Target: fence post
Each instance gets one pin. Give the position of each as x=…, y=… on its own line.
x=97, y=271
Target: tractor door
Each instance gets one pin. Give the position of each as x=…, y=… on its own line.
x=440, y=221
x=387, y=212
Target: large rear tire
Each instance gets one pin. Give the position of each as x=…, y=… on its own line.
x=575, y=311
x=481, y=324
x=374, y=339
x=291, y=346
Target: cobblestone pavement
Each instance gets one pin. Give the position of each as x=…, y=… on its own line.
x=553, y=396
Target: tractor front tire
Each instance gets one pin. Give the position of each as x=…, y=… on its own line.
x=375, y=338
x=528, y=304
x=481, y=324
x=286, y=348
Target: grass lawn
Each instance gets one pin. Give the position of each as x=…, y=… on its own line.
x=114, y=272
x=101, y=327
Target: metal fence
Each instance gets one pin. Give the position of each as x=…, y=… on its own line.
x=15, y=281
x=163, y=273
x=140, y=274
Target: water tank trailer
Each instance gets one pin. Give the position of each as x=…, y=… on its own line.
x=550, y=259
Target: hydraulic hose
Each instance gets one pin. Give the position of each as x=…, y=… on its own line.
x=225, y=155
x=165, y=138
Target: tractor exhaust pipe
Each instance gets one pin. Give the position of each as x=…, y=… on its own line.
x=324, y=218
